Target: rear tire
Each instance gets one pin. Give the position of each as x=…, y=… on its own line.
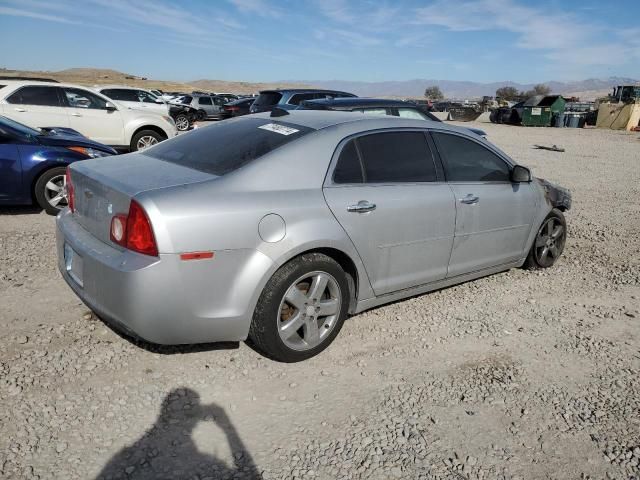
x=549, y=242
x=145, y=139
x=201, y=115
x=49, y=190
x=301, y=309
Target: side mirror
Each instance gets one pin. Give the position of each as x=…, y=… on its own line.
x=159, y=100
x=520, y=174
x=110, y=107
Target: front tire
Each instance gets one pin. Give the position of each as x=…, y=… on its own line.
x=301, y=309
x=50, y=192
x=549, y=242
x=145, y=139
x=182, y=122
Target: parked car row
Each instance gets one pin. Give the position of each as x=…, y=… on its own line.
x=130, y=119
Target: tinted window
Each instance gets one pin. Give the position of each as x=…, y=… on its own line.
x=145, y=97
x=396, y=157
x=220, y=100
x=468, y=161
x=36, y=95
x=411, y=113
x=299, y=97
x=204, y=101
x=120, y=94
x=348, y=168
x=224, y=147
x=268, y=98
x=79, y=98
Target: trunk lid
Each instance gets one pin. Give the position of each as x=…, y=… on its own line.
x=105, y=186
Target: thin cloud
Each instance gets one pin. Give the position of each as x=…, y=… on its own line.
x=16, y=12
x=258, y=7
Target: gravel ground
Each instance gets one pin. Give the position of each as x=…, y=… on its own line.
x=518, y=375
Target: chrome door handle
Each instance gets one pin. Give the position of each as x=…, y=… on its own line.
x=74, y=114
x=19, y=109
x=362, y=207
x=470, y=199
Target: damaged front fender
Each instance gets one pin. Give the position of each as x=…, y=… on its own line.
x=557, y=196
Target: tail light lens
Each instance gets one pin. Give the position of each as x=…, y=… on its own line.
x=70, y=190
x=134, y=231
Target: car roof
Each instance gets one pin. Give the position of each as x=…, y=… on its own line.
x=302, y=90
x=321, y=119
x=362, y=102
x=120, y=87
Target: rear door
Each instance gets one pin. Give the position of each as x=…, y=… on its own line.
x=205, y=103
x=88, y=115
x=494, y=215
x=37, y=106
x=385, y=191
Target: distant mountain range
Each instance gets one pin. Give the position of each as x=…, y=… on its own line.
x=590, y=88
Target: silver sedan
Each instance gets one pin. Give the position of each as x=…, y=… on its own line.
x=275, y=228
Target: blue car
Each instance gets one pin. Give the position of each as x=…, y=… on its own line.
x=33, y=163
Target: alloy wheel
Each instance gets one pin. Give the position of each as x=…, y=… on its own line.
x=146, y=142
x=549, y=242
x=309, y=311
x=55, y=192
x=182, y=123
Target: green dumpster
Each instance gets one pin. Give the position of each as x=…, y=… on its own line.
x=540, y=110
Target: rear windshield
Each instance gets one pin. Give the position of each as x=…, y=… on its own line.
x=224, y=147
x=268, y=98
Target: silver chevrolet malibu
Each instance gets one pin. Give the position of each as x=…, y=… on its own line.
x=275, y=227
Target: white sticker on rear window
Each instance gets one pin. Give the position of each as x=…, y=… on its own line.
x=281, y=129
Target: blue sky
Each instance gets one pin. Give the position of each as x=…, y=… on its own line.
x=268, y=40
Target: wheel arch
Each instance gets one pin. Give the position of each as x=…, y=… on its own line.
x=153, y=128
x=42, y=171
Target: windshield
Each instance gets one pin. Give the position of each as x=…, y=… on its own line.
x=19, y=127
x=224, y=147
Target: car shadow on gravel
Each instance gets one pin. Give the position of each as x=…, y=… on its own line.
x=167, y=450
x=21, y=210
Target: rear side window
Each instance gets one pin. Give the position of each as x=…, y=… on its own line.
x=396, y=157
x=268, y=98
x=389, y=157
x=348, y=168
x=301, y=97
x=224, y=147
x=204, y=101
x=468, y=161
x=36, y=95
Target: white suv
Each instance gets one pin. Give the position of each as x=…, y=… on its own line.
x=49, y=104
x=134, y=98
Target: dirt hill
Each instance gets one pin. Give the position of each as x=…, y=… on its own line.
x=99, y=76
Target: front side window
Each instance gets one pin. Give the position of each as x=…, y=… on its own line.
x=120, y=94
x=145, y=97
x=36, y=95
x=266, y=99
x=467, y=161
x=78, y=98
x=204, y=101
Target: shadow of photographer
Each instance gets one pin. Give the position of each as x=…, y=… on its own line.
x=168, y=451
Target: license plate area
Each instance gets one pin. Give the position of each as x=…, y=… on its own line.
x=73, y=264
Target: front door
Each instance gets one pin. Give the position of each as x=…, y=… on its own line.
x=386, y=194
x=88, y=114
x=37, y=106
x=494, y=215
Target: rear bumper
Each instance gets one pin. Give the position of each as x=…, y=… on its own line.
x=163, y=300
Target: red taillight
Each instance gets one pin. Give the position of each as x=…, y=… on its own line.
x=70, y=191
x=134, y=231
x=232, y=109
